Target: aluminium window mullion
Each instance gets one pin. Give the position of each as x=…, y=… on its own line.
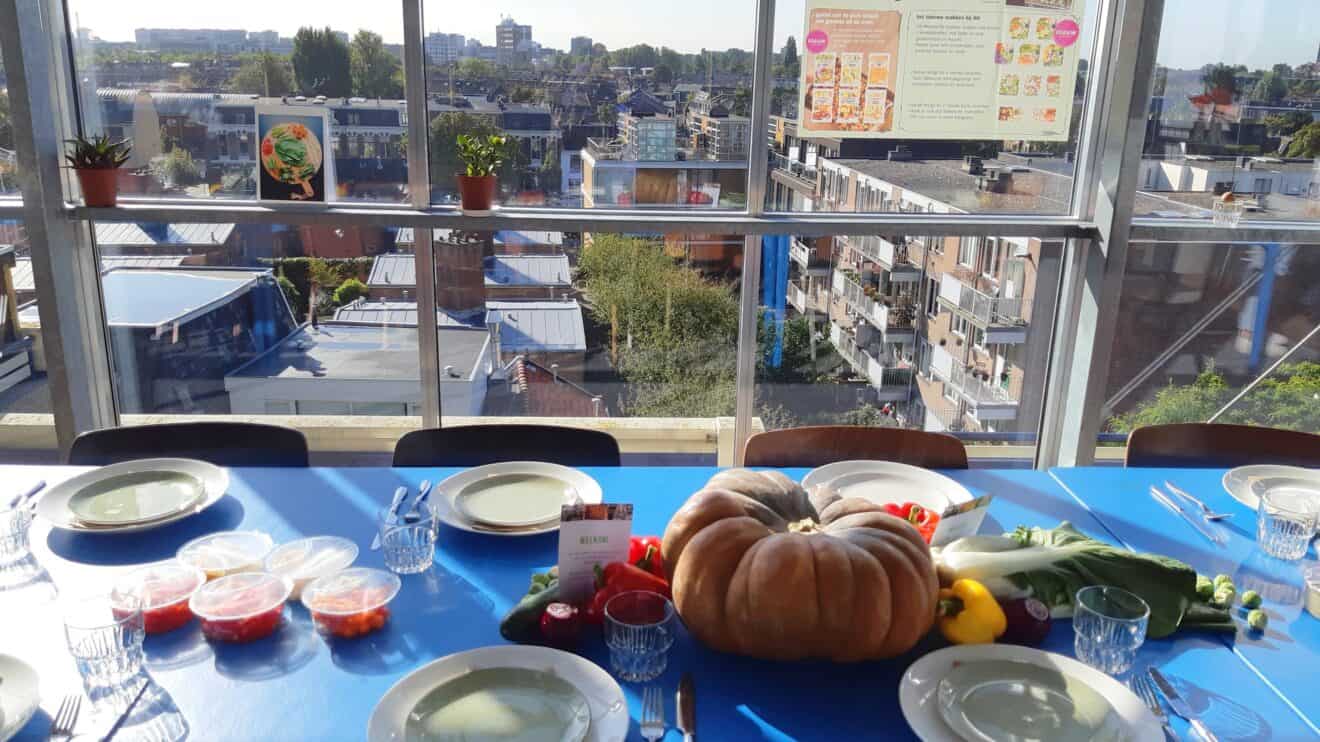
x=757, y=175
x=419, y=188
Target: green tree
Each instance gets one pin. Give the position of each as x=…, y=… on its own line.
x=376, y=73
x=789, y=58
x=1219, y=77
x=6, y=122
x=1287, y=123
x=1290, y=398
x=350, y=291
x=1305, y=142
x=291, y=293
x=322, y=64
x=471, y=68
x=445, y=164
x=265, y=74
x=1271, y=88
x=176, y=168
x=664, y=74
x=870, y=416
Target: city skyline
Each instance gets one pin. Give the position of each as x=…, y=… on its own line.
x=1196, y=32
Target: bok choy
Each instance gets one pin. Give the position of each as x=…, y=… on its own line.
x=1052, y=565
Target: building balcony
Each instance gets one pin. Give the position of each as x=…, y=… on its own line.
x=793, y=173
x=888, y=255
x=797, y=298
x=985, y=400
x=895, y=322
x=808, y=257
x=890, y=383
x=1000, y=317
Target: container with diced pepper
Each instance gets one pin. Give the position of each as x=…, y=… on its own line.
x=923, y=519
x=241, y=608
x=162, y=592
x=351, y=603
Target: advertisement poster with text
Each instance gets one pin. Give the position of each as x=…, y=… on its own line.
x=940, y=69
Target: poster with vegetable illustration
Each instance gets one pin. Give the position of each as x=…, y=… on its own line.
x=941, y=69
x=294, y=164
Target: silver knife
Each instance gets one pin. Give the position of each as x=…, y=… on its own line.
x=400, y=495
x=1206, y=511
x=687, y=708
x=1180, y=706
x=21, y=499
x=1169, y=503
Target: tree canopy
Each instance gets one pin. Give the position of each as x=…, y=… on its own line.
x=445, y=164
x=1271, y=88
x=1290, y=398
x=263, y=74
x=1306, y=141
x=376, y=72
x=322, y=63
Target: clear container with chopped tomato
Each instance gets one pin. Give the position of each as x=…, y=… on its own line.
x=226, y=553
x=242, y=607
x=351, y=603
x=307, y=559
x=162, y=590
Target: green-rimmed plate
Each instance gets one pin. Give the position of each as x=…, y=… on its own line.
x=136, y=497
x=1002, y=700
x=501, y=703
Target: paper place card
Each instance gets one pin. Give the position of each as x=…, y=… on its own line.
x=961, y=520
x=590, y=536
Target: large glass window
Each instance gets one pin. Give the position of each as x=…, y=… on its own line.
x=901, y=118
x=184, y=83
x=26, y=425
x=9, y=186
x=605, y=106
x=1233, y=111
x=1222, y=332
x=844, y=341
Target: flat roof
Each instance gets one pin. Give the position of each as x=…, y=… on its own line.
x=524, y=325
x=161, y=233
x=24, y=280
x=355, y=352
x=400, y=269
x=152, y=298
x=398, y=314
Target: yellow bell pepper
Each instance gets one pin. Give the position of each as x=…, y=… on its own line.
x=969, y=614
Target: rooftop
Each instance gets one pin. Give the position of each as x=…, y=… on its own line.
x=535, y=326
x=400, y=269
x=502, y=237
x=154, y=298
x=25, y=281
x=536, y=391
x=122, y=234
x=353, y=352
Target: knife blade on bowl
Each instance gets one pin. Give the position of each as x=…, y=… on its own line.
x=687, y=708
x=1179, y=705
x=392, y=517
x=414, y=513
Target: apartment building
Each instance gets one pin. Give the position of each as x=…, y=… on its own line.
x=444, y=48
x=513, y=42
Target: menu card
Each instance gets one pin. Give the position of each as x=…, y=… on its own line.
x=590, y=536
x=959, y=520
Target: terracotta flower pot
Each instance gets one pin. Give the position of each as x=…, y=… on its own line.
x=477, y=192
x=99, y=187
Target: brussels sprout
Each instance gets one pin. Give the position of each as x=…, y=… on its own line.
x=1205, y=589
x=1251, y=599
x=1257, y=620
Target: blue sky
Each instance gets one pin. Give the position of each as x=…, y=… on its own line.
x=1256, y=33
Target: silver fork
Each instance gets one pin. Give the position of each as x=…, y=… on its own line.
x=1206, y=512
x=653, y=713
x=1142, y=687
x=66, y=718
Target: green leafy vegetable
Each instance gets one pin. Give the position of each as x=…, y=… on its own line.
x=1052, y=565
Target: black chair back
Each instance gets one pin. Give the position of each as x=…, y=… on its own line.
x=476, y=445
x=220, y=443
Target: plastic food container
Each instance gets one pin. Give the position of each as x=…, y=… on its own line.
x=351, y=603
x=242, y=607
x=162, y=590
x=1313, y=590
x=307, y=559
x=226, y=553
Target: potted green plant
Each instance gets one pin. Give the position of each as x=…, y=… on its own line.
x=482, y=157
x=97, y=162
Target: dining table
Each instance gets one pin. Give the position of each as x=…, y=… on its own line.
x=296, y=685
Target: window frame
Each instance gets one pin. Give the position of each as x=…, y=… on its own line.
x=35, y=39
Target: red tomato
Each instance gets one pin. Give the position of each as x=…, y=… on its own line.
x=351, y=625
x=243, y=630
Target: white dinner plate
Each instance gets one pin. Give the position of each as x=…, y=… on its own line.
x=918, y=692
x=451, y=512
x=54, y=505
x=20, y=695
x=884, y=482
x=609, y=710
x=1245, y=483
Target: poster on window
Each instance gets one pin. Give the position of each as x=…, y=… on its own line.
x=294, y=163
x=940, y=69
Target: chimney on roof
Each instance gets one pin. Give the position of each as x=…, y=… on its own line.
x=554, y=371
x=900, y=153
x=496, y=345
x=973, y=165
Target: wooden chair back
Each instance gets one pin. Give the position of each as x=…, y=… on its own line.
x=826, y=444
x=1189, y=445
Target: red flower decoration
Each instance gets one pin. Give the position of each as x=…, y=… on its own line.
x=267, y=148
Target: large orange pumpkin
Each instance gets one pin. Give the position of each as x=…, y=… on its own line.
x=760, y=568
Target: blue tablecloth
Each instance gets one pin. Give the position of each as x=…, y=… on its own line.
x=296, y=685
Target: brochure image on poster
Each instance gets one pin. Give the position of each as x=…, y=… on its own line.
x=940, y=69
x=294, y=164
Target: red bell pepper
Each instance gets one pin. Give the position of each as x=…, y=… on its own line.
x=923, y=519
x=620, y=577
x=644, y=552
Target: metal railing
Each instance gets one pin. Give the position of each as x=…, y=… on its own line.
x=984, y=309
x=978, y=391
x=793, y=167
x=882, y=315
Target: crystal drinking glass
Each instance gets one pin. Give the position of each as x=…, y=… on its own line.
x=1286, y=522
x=408, y=543
x=639, y=630
x=1110, y=626
x=105, y=639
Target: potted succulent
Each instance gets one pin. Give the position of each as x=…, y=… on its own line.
x=482, y=157
x=97, y=162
